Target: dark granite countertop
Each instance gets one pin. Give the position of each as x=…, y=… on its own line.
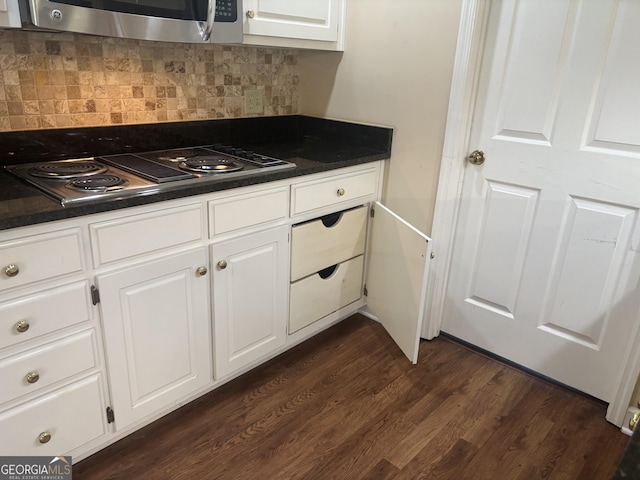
x=313, y=144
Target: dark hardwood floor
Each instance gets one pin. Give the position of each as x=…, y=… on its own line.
x=348, y=405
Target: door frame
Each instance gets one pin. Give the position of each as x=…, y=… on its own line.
x=462, y=98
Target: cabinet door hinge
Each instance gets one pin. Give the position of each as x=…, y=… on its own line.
x=365, y=291
x=111, y=417
x=372, y=212
x=95, y=295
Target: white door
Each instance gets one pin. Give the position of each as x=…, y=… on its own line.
x=397, y=272
x=250, y=280
x=545, y=264
x=147, y=311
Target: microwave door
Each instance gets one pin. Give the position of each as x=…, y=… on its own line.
x=168, y=21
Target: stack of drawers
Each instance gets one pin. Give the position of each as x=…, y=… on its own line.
x=326, y=265
x=51, y=399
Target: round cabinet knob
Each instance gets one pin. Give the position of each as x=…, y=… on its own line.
x=11, y=270
x=201, y=271
x=340, y=192
x=44, y=437
x=22, y=326
x=32, y=377
x=251, y=14
x=222, y=264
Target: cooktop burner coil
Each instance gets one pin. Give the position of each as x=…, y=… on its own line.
x=98, y=183
x=211, y=164
x=65, y=170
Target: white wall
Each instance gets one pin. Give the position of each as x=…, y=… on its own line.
x=395, y=71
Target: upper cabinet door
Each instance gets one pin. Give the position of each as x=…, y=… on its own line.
x=317, y=20
x=396, y=281
x=9, y=14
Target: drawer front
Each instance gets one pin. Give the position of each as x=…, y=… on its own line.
x=43, y=366
x=72, y=416
x=146, y=233
x=314, y=297
x=315, y=246
x=312, y=195
x=29, y=317
x=242, y=211
x=40, y=257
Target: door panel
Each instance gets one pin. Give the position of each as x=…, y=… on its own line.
x=149, y=310
x=502, y=260
x=613, y=121
x=397, y=278
x=250, y=298
x=532, y=81
x=545, y=270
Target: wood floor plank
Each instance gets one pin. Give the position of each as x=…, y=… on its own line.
x=347, y=404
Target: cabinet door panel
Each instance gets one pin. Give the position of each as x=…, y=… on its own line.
x=397, y=278
x=157, y=333
x=309, y=20
x=250, y=298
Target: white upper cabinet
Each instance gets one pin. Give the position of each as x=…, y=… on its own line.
x=9, y=14
x=313, y=24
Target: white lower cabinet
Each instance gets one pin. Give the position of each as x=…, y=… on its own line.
x=327, y=261
x=217, y=288
x=156, y=326
x=250, y=298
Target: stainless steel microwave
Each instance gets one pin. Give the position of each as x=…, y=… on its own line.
x=187, y=21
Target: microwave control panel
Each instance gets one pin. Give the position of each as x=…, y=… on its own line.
x=226, y=11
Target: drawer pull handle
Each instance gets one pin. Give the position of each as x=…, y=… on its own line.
x=251, y=14
x=44, y=437
x=201, y=271
x=327, y=272
x=331, y=219
x=340, y=192
x=11, y=270
x=22, y=326
x=32, y=377
x=222, y=264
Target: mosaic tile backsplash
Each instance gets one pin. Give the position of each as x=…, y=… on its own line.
x=61, y=80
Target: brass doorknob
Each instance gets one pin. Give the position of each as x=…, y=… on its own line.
x=251, y=14
x=44, y=437
x=222, y=264
x=477, y=157
x=633, y=422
